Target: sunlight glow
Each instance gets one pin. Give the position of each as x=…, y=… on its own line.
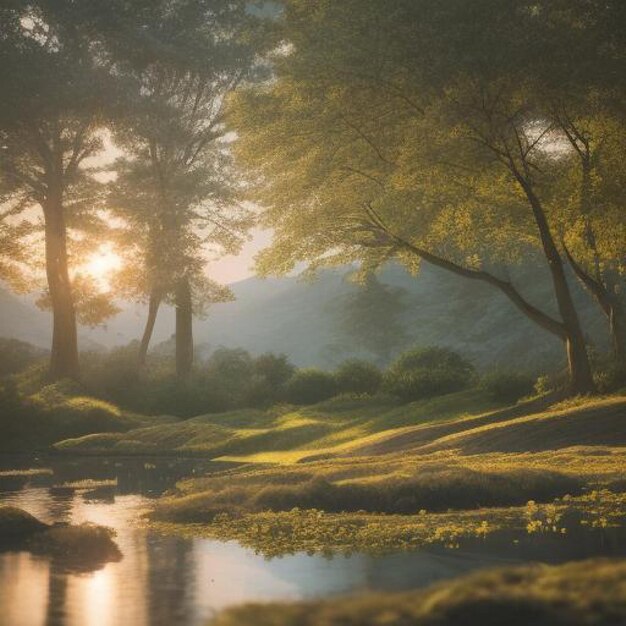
x=101, y=265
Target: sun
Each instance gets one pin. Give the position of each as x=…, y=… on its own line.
x=101, y=264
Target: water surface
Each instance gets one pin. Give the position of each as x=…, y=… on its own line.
x=167, y=580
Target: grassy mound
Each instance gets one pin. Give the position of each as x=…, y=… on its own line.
x=284, y=434
x=85, y=547
x=35, y=422
x=16, y=523
x=591, y=593
x=437, y=489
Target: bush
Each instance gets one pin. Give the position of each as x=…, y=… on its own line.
x=308, y=386
x=507, y=386
x=428, y=372
x=355, y=376
x=275, y=369
x=271, y=372
x=18, y=355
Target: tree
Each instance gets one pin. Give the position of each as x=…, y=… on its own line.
x=180, y=185
x=49, y=118
x=594, y=230
x=423, y=133
x=370, y=317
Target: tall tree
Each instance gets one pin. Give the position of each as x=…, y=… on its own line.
x=49, y=117
x=420, y=133
x=180, y=182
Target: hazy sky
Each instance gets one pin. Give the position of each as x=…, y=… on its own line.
x=231, y=268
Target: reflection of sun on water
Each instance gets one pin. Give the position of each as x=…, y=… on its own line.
x=101, y=265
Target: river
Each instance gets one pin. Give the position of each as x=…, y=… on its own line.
x=164, y=580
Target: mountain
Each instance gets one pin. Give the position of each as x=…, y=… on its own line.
x=300, y=319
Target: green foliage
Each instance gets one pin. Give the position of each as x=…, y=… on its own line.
x=229, y=379
x=17, y=356
x=371, y=319
x=308, y=386
x=55, y=412
x=358, y=377
x=508, y=387
x=427, y=372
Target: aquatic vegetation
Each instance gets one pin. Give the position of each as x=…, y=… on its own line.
x=83, y=547
x=589, y=593
x=313, y=530
x=89, y=483
x=35, y=471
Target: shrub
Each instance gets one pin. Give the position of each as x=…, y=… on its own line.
x=507, y=386
x=356, y=376
x=428, y=372
x=275, y=369
x=270, y=375
x=18, y=355
x=610, y=377
x=308, y=386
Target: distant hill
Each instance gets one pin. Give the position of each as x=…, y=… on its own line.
x=298, y=318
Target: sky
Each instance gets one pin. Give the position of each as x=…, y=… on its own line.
x=233, y=268
x=229, y=269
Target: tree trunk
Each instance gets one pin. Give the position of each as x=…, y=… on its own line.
x=184, y=329
x=607, y=296
x=64, y=357
x=153, y=309
x=617, y=326
x=581, y=379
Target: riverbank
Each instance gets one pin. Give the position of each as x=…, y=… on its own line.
x=437, y=481
x=586, y=593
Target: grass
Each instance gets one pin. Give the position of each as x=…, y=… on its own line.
x=316, y=531
x=370, y=468
x=407, y=493
x=439, y=489
x=34, y=471
x=37, y=421
x=589, y=593
x=467, y=421
x=287, y=434
x=85, y=547
x=89, y=483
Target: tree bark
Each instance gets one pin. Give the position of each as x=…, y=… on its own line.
x=153, y=309
x=610, y=304
x=64, y=356
x=184, y=328
x=617, y=327
x=581, y=378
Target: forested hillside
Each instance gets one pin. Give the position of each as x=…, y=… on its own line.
x=304, y=320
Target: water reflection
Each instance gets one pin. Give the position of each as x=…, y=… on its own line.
x=166, y=580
